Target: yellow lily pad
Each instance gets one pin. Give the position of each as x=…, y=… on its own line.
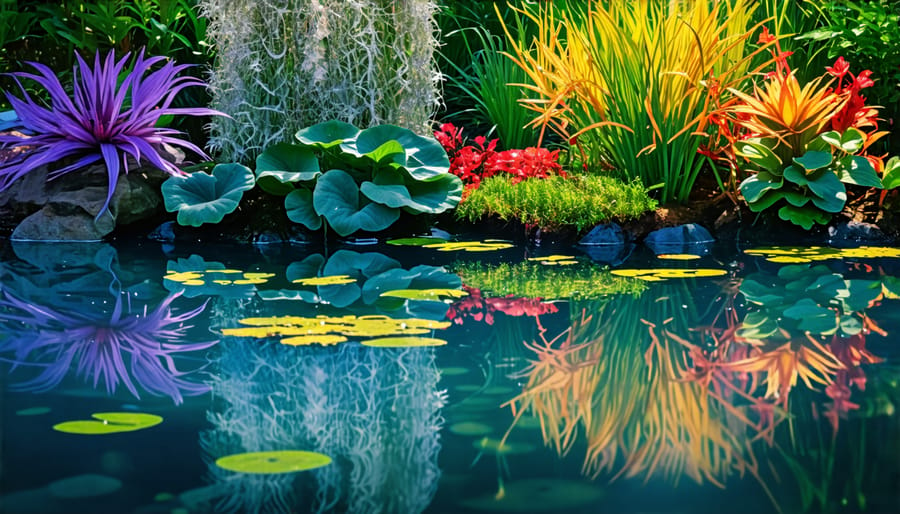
x=469, y=246
x=222, y=282
x=656, y=274
x=678, y=256
x=183, y=276
x=425, y=294
x=403, y=342
x=258, y=276
x=552, y=258
x=109, y=423
x=324, y=340
x=325, y=281
x=275, y=462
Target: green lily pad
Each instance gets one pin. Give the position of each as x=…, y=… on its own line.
x=327, y=134
x=274, y=462
x=425, y=294
x=415, y=241
x=338, y=199
x=279, y=166
x=201, y=198
x=403, y=342
x=109, y=423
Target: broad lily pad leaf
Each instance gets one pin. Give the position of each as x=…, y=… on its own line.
x=337, y=198
x=435, y=295
x=274, y=462
x=283, y=164
x=415, y=241
x=758, y=293
x=200, y=198
x=327, y=134
x=425, y=157
x=109, y=423
x=768, y=199
x=325, y=281
x=311, y=266
x=359, y=266
x=403, y=342
x=436, y=195
x=300, y=208
x=196, y=277
x=666, y=273
x=469, y=246
x=307, y=340
x=678, y=256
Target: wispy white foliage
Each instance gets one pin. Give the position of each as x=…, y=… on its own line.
x=285, y=64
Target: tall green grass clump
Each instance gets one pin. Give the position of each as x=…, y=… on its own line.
x=286, y=64
x=582, y=201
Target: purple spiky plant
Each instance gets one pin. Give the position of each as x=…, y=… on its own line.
x=103, y=119
x=134, y=348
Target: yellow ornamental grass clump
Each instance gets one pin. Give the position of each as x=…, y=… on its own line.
x=632, y=84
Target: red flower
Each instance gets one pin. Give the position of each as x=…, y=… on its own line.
x=840, y=68
x=765, y=37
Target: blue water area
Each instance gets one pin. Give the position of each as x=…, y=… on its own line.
x=145, y=378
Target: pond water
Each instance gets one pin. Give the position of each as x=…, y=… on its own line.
x=395, y=378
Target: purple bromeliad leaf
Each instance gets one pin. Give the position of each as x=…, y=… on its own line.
x=134, y=348
x=102, y=119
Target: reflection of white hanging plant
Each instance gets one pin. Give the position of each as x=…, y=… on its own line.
x=374, y=411
x=285, y=64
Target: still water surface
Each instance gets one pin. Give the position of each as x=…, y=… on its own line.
x=417, y=379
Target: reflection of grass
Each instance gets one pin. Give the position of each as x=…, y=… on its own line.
x=532, y=280
x=553, y=202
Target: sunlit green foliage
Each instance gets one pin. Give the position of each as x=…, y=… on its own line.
x=581, y=200
x=534, y=280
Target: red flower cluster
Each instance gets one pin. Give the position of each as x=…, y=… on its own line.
x=473, y=163
x=855, y=113
x=478, y=308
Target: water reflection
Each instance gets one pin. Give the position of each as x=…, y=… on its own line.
x=375, y=411
x=104, y=339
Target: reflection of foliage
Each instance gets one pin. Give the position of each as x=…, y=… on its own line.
x=365, y=278
x=478, y=308
x=375, y=411
x=801, y=254
x=97, y=342
x=194, y=277
x=641, y=412
x=532, y=280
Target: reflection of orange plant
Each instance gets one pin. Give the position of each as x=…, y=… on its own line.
x=803, y=358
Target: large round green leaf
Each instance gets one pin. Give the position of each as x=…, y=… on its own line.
x=858, y=170
x=758, y=154
x=753, y=188
x=299, y=207
x=201, y=198
x=283, y=164
x=337, y=198
x=813, y=160
x=436, y=195
x=327, y=134
x=424, y=156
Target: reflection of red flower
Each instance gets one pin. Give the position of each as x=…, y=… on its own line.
x=852, y=353
x=478, y=308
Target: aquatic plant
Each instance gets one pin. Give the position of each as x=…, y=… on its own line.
x=285, y=65
x=338, y=176
x=134, y=347
x=202, y=197
x=104, y=119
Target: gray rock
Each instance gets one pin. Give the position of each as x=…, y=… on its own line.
x=856, y=233
x=688, y=238
x=608, y=234
x=49, y=225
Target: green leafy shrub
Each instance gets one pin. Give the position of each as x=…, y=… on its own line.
x=356, y=179
x=581, y=200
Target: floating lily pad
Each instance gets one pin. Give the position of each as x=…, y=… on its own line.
x=470, y=428
x=109, y=423
x=415, y=241
x=491, y=445
x=287, y=461
x=33, y=411
x=469, y=246
x=425, y=294
x=666, y=273
x=325, y=281
x=84, y=486
x=538, y=495
x=403, y=342
x=678, y=256
x=324, y=340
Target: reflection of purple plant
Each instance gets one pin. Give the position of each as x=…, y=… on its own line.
x=52, y=339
